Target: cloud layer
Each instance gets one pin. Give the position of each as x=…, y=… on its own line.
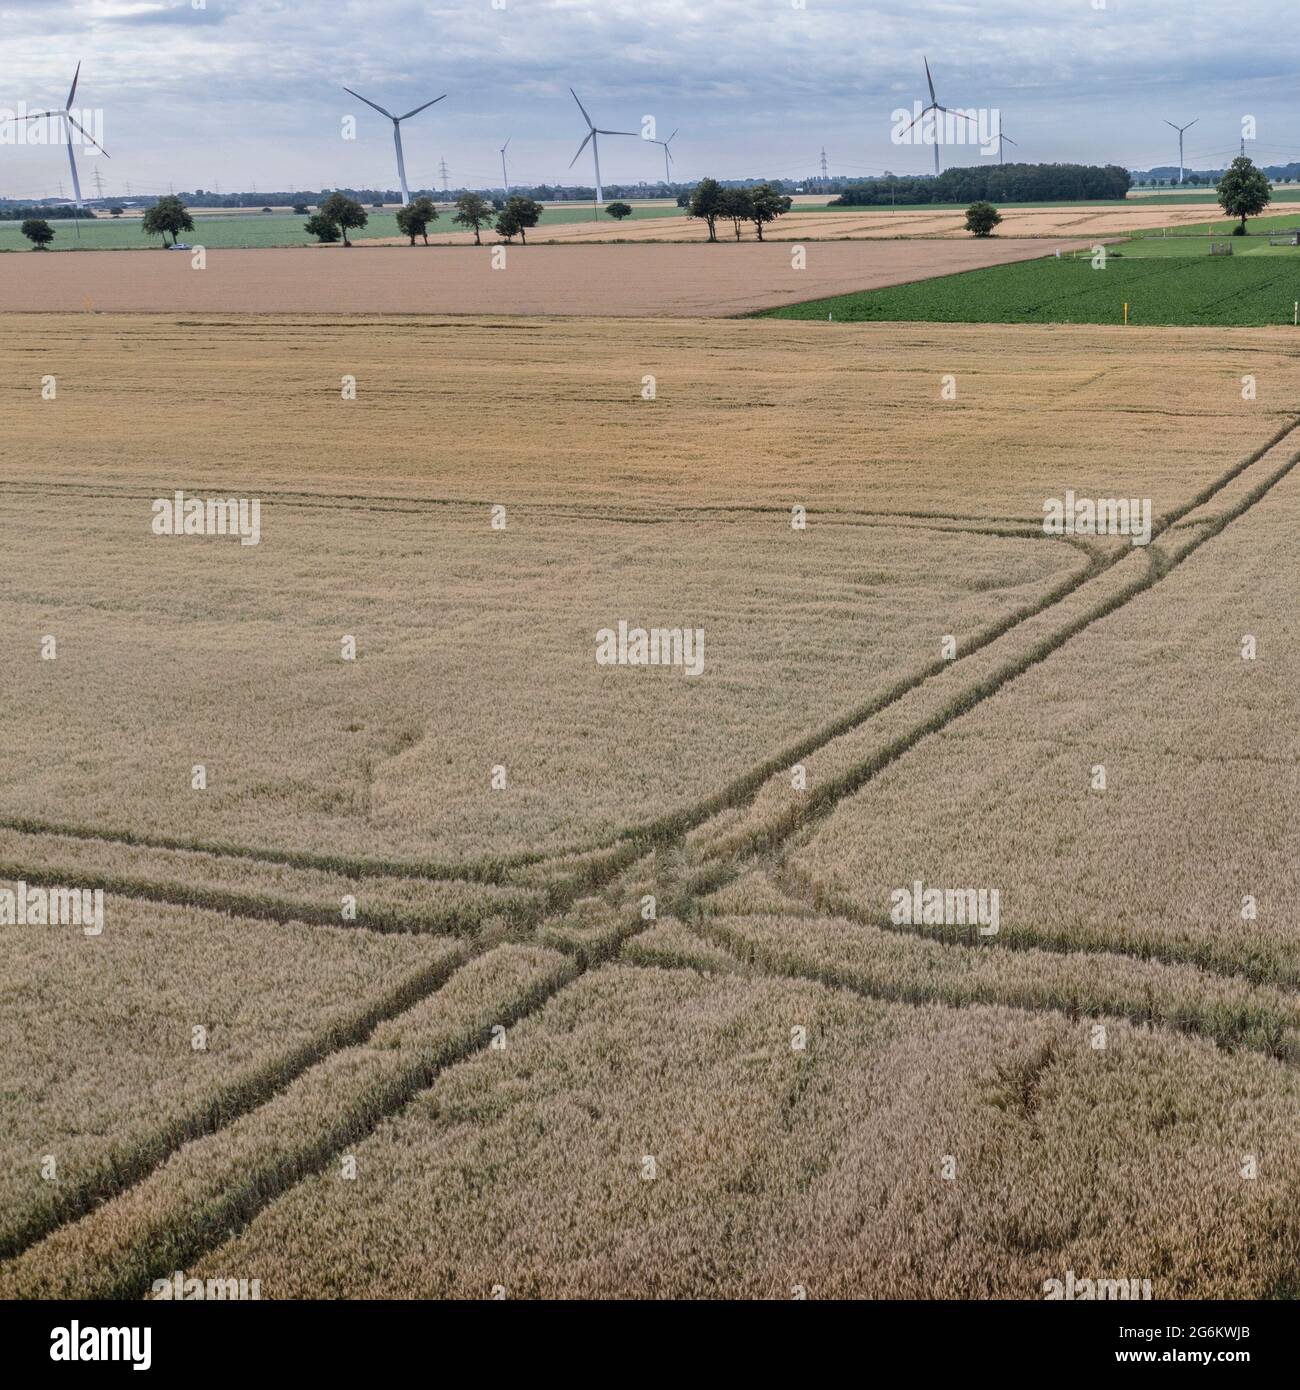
x=240, y=93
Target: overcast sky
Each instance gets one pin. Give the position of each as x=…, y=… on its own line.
x=247, y=93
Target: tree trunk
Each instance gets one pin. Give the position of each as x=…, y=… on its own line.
x=523, y=235
x=758, y=227
x=477, y=242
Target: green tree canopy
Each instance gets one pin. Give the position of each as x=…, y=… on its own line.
x=766, y=205
x=517, y=216
x=736, y=204
x=473, y=210
x=706, y=203
x=618, y=211
x=344, y=212
x=413, y=219
x=1244, y=191
x=38, y=232
x=168, y=214
x=322, y=228
x=981, y=218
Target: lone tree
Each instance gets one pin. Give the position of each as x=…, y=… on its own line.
x=517, y=216
x=344, y=212
x=766, y=205
x=413, y=219
x=1244, y=191
x=981, y=218
x=322, y=228
x=736, y=204
x=300, y=209
x=618, y=211
x=38, y=232
x=473, y=211
x=168, y=214
x=706, y=202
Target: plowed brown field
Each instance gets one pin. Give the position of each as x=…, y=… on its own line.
x=701, y=280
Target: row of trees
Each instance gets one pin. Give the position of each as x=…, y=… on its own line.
x=1003, y=183
x=339, y=214
x=713, y=203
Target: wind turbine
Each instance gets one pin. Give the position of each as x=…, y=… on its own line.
x=1180, y=129
x=1001, y=138
x=69, y=123
x=504, y=177
x=667, y=156
x=397, y=132
x=934, y=106
x=592, y=133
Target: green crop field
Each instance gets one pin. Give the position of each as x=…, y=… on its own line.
x=1246, y=291
x=1282, y=193
x=243, y=229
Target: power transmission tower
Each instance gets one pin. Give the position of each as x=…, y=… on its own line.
x=442, y=173
x=825, y=175
x=99, y=185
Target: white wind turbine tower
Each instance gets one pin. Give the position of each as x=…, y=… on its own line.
x=667, y=156
x=504, y=177
x=68, y=123
x=1180, y=129
x=1001, y=138
x=936, y=108
x=397, y=132
x=592, y=133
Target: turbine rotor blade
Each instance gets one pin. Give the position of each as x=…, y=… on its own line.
x=636, y=134
x=934, y=99
x=1008, y=139
x=581, y=147
x=951, y=112
x=506, y=146
x=582, y=108
x=425, y=107
x=72, y=91
x=670, y=139
x=88, y=136
x=370, y=103
x=1190, y=124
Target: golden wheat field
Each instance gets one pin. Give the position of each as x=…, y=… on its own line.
x=861, y=223
x=449, y=950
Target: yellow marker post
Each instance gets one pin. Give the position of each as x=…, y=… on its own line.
x=1126, y=313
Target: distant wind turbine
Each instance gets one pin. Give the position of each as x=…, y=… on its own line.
x=934, y=106
x=667, y=156
x=592, y=133
x=504, y=178
x=1001, y=138
x=68, y=123
x=1180, y=129
x=397, y=132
